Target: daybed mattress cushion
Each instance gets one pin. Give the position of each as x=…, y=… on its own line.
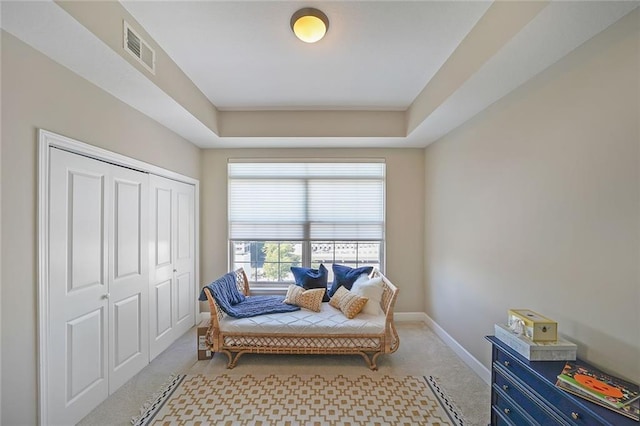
x=304, y=322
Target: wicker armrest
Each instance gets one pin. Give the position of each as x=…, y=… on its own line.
x=242, y=281
x=216, y=313
x=389, y=296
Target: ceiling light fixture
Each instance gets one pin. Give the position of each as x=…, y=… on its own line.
x=309, y=24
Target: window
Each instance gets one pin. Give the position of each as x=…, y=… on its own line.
x=284, y=214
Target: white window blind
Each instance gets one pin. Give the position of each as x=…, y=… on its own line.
x=306, y=201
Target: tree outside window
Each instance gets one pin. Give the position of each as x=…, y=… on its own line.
x=278, y=260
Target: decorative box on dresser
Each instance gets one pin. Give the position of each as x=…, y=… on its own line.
x=524, y=393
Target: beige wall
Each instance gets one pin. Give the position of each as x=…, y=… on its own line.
x=38, y=93
x=404, y=215
x=535, y=204
x=105, y=20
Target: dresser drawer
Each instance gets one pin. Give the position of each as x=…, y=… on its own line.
x=570, y=412
x=515, y=368
x=509, y=410
x=499, y=419
x=525, y=398
x=576, y=414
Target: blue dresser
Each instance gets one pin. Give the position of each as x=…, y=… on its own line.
x=524, y=393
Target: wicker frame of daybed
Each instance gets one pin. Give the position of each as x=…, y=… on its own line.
x=369, y=346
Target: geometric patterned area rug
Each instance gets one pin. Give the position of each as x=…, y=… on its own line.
x=300, y=400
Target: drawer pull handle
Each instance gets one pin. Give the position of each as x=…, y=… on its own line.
x=575, y=416
x=507, y=411
x=505, y=387
x=506, y=363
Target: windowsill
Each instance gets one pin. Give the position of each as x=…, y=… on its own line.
x=268, y=291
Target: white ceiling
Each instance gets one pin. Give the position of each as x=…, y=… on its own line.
x=377, y=56
x=243, y=55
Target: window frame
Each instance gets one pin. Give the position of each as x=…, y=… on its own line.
x=306, y=241
x=305, y=261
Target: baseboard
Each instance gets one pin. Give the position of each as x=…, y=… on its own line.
x=470, y=360
x=410, y=317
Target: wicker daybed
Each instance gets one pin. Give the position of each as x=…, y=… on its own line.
x=304, y=332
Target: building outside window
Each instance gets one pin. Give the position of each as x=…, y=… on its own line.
x=283, y=214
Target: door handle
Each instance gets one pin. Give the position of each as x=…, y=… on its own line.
x=105, y=296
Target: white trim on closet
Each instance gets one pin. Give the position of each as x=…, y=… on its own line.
x=48, y=140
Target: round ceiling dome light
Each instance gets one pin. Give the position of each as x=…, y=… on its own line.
x=309, y=24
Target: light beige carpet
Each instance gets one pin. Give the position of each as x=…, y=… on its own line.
x=300, y=400
x=421, y=353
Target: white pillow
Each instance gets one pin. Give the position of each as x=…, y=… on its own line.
x=371, y=289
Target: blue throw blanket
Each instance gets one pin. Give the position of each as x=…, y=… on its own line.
x=225, y=292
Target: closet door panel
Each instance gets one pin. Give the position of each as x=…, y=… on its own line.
x=77, y=369
x=163, y=311
x=84, y=346
x=172, y=261
x=127, y=321
x=85, y=229
x=163, y=237
x=184, y=234
x=162, y=274
x=185, y=296
x=129, y=276
x=128, y=229
x=184, y=259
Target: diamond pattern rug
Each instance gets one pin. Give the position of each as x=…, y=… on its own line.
x=300, y=400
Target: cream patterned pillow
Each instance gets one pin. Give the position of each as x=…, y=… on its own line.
x=308, y=299
x=337, y=297
x=349, y=303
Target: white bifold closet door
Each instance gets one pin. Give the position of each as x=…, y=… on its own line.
x=172, y=295
x=99, y=282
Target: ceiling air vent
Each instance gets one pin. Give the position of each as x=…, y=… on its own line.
x=139, y=48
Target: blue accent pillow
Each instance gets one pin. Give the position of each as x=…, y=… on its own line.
x=308, y=278
x=344, y=276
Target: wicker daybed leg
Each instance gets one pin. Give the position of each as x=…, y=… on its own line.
x=372, y=365
x=374, y=359
x=229, y=355
x=235, y=359
x=396, y=341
